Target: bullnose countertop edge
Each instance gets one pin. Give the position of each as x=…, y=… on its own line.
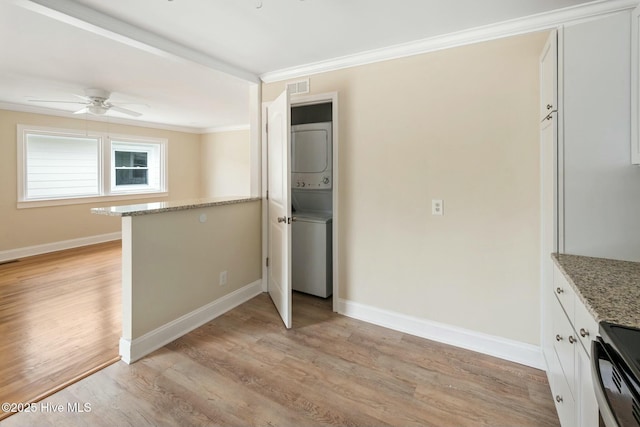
x=609, y=289
x=170, y=206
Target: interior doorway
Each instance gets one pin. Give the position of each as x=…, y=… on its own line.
x=320, y=203
x=313, y=182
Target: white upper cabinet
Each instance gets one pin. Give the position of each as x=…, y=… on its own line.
x=548, y=78
x=635, y=86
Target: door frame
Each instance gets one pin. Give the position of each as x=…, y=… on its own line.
x=296, y=101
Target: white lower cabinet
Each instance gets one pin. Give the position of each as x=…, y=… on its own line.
x=587, y=407
x=569, y=365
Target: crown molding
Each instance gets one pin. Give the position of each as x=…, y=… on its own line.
x=103, y=119
x=226, y=129
x=528, y=24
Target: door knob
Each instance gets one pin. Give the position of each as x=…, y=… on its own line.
x=571, y=339
x=282, y=219
x=584, y=332
x=558, y=338
x=292, y=219
x=549, y=106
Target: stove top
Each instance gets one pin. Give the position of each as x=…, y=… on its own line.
x=626, y=341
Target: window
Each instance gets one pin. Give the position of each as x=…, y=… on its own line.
x=135, y=166
x=62, y=167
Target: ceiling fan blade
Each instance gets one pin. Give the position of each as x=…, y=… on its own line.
x=57, y=102
x=124, y=111
x=82, y=111
x=83, y=97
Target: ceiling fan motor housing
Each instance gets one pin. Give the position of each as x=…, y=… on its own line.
x=97, y=94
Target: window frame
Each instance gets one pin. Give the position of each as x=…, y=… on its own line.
x=159, y=145
x=105, y=172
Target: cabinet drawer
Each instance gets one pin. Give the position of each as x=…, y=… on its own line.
x=564, y=292
x=585, y=326
x=564, y=342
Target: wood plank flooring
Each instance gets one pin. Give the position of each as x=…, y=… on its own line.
x=60, y=317
x=244, y=368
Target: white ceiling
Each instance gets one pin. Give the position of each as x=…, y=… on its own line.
x=175, y=72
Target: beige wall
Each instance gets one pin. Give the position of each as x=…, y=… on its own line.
x=176, y=261
x=226, y=163
x=459, y=125
x=22, y=228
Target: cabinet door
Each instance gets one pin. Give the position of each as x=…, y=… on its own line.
x=565, y=404
x=587, y=405
x=549, y=77
x=635, y=86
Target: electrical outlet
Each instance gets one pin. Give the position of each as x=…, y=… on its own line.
x=437, y=207
x=223, y=278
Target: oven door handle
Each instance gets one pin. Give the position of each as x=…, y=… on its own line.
x=598, y=352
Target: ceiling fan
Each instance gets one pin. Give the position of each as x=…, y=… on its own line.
x=96, y=102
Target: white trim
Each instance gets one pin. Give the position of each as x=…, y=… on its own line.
x=514, y=351
x=91, y=199
x=255, y=98
x=225, y=128
x=8, y=106
x=96, y=22
x=130, y=351
x=537, y=22
x=264, y=190
x=13, y=254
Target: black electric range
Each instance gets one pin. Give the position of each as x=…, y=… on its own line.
x=615, y=357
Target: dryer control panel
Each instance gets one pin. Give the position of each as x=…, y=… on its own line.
x=310, y=181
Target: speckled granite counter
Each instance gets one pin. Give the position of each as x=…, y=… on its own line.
x=610, y=289
x=159, y=207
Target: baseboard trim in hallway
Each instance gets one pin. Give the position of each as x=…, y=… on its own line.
x=511, y=350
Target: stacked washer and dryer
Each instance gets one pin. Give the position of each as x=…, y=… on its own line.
x=312, y=206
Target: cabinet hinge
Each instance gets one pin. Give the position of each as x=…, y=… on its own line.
x=267, y=263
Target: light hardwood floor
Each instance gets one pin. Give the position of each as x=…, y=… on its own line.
x=60, y=317
x=244, y=368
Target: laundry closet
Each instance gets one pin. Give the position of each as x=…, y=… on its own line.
x=312, y=199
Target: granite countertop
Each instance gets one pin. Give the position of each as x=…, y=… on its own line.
x=610, y=289
x=160, y=207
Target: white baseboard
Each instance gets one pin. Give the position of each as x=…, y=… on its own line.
x=130, y=351
x=514, y=351
x=12, y=254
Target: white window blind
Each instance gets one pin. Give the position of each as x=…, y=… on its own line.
x=61, y=166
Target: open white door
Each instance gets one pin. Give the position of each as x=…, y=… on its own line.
x=279, y=204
